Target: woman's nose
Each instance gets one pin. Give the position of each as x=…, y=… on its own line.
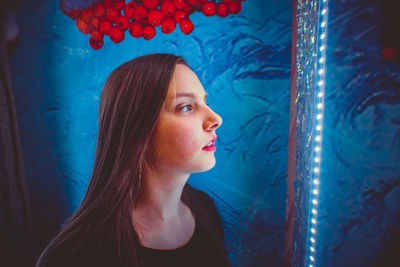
x=213, y=121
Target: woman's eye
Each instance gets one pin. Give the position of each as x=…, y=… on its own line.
x=186, y=108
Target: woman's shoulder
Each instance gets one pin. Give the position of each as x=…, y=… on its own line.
x=59, y=257
x=51, y=258
x=203, y=207
x=197, y=197
x=194, y=192
x=207, y=215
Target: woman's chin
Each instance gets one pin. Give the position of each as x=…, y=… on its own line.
x=206, y=166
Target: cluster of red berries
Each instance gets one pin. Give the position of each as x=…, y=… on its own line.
x=140, y=17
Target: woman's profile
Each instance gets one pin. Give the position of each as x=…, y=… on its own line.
x=155, y=129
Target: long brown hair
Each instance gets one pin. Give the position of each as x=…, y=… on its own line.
x=130, y=104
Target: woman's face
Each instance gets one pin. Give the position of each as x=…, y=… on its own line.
x=185, y=127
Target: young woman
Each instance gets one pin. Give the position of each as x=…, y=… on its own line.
x=155, y=129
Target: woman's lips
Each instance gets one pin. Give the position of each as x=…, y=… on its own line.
x=212, y=147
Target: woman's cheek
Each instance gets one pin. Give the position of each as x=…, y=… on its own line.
x=178, y=140
x=184, y=138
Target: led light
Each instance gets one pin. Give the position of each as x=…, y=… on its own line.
x=317, y=146
x=314, y=211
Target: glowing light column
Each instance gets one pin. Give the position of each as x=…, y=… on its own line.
x=318, y=125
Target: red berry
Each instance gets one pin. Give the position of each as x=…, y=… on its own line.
x=227, y=1
x=168, y=25
x=96, y=35
x=105, y=27
x=73, y=14
x=155, y=17
x=168, y=8
x=186, y=26
x=83, y=26
x=94, y=24
x=96, y=44
x=111, y=14
x=209, y=9
x=198, y=5
x=116, y=35
x=222, y=10
x=119, y=5
x=180, y=4
x=179, y=15
x=130, y=10
x=149, y=32
x=99, y=10
x=113, y=3
x=135, y=29
x=189, y=9
x=140, y=13
x=108, y=3
x=151, y=4
x=192, y=2
x=122, y=23
x=235, y=7
x=87, y=15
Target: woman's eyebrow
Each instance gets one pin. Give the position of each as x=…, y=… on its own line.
x=190, y=95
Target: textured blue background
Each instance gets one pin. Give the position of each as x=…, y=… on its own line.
x=360, y=180
x=243, y=62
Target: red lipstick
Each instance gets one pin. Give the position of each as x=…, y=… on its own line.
x=212, y=146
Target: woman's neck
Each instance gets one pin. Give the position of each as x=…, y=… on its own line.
x=161, y=196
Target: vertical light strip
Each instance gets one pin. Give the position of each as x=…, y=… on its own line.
x=317, y=132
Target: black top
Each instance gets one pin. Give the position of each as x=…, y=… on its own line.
x=200, y=250
x=206, y=248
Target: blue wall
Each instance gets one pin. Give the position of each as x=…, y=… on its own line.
x=243, y=62
x=360, y=178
